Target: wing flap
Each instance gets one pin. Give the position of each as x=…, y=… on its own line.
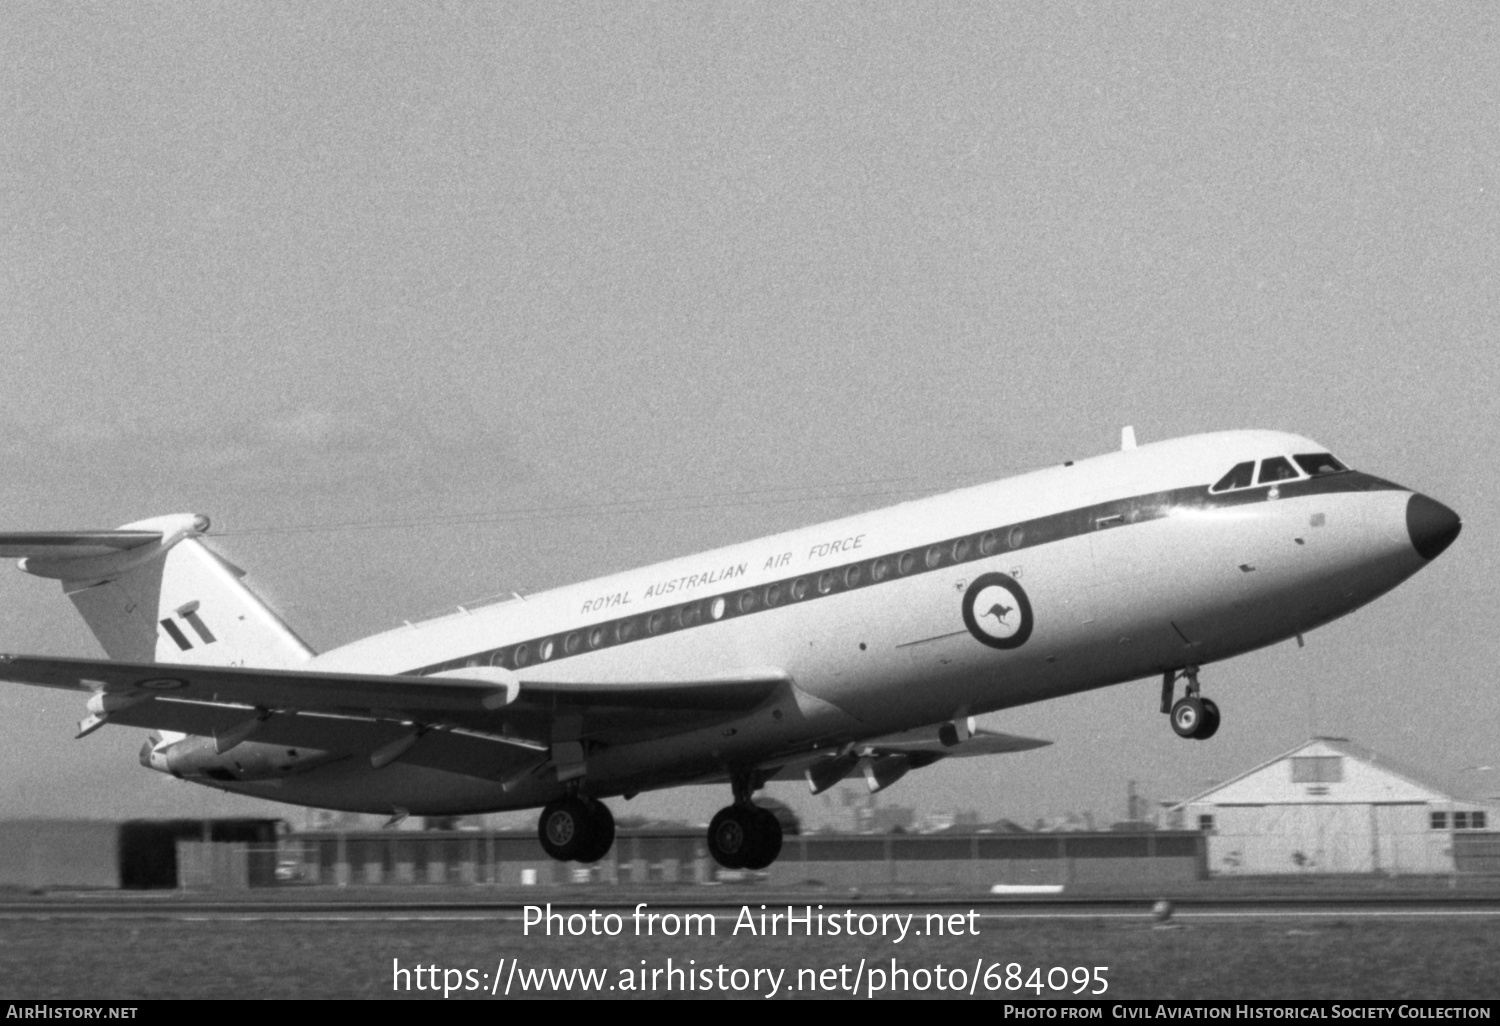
x=735, y=694
x=927, y=740
x=918, y=748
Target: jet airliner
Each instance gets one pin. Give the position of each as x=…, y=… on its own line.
x=861, y=647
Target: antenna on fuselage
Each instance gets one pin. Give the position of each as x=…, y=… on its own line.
x=1127, y=438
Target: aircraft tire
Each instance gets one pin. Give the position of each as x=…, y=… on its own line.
x=732, y=835
x=1187, y=716
x=1210, y=725
x=566, y=828
x=602, y=828
x=767, y=840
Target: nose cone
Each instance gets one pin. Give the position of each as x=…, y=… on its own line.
x=1432, y=525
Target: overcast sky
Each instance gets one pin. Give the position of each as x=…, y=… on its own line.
x=408, y=297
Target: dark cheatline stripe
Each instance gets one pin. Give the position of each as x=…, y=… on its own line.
x=176, y=635
x=876, y=570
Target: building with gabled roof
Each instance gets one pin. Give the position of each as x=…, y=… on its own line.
x=1330, y=805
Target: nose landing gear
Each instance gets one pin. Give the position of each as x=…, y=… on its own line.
x=1192, y=715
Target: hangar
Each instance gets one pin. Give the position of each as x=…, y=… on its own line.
x=38, y=854
x=1331, y=805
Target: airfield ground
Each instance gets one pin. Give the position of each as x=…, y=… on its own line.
x=1338, y=942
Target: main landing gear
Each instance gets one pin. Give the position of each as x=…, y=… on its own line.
x=1192, y=715
x=744, y=835
x=576, y=829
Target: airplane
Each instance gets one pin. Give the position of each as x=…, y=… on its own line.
x=860, y=647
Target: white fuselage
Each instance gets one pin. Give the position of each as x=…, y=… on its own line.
x=1130, y=565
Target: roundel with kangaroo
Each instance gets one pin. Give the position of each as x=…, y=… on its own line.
x=997, y=612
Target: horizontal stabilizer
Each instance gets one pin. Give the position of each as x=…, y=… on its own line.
x=72, y=544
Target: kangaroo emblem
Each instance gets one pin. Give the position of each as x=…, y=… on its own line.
x=999, y=612
x=1001, y=597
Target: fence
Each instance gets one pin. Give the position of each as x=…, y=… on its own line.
x=680, y=856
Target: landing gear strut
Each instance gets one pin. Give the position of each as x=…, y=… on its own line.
x=1192, y=715
x=744, y=835
x=576, y=829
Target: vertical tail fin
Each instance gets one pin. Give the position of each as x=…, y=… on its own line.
x=153, y=592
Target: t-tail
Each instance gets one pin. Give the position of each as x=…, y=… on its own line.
x=152, y=591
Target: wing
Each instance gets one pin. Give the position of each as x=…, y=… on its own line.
x=481, y=722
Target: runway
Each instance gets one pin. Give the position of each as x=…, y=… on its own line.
x=326, y=943
x=284, y=907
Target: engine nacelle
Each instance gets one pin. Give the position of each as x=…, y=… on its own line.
x=199, y=758
x=823, y=775
x=883, y=771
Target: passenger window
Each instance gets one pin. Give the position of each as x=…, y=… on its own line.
x=1241, y=476
x=960, y=550
x=906, y=562
x=799, y=589
x=879, y=570
x=1277, y=468
x=1316, y=464
x=773, y=594
x=988, y=543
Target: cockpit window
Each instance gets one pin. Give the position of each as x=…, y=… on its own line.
x=1319, y=463
x=1240, y=476
x=1277, y=468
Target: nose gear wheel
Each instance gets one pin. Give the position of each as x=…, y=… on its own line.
x=1192, y=715
x=1195, y=718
